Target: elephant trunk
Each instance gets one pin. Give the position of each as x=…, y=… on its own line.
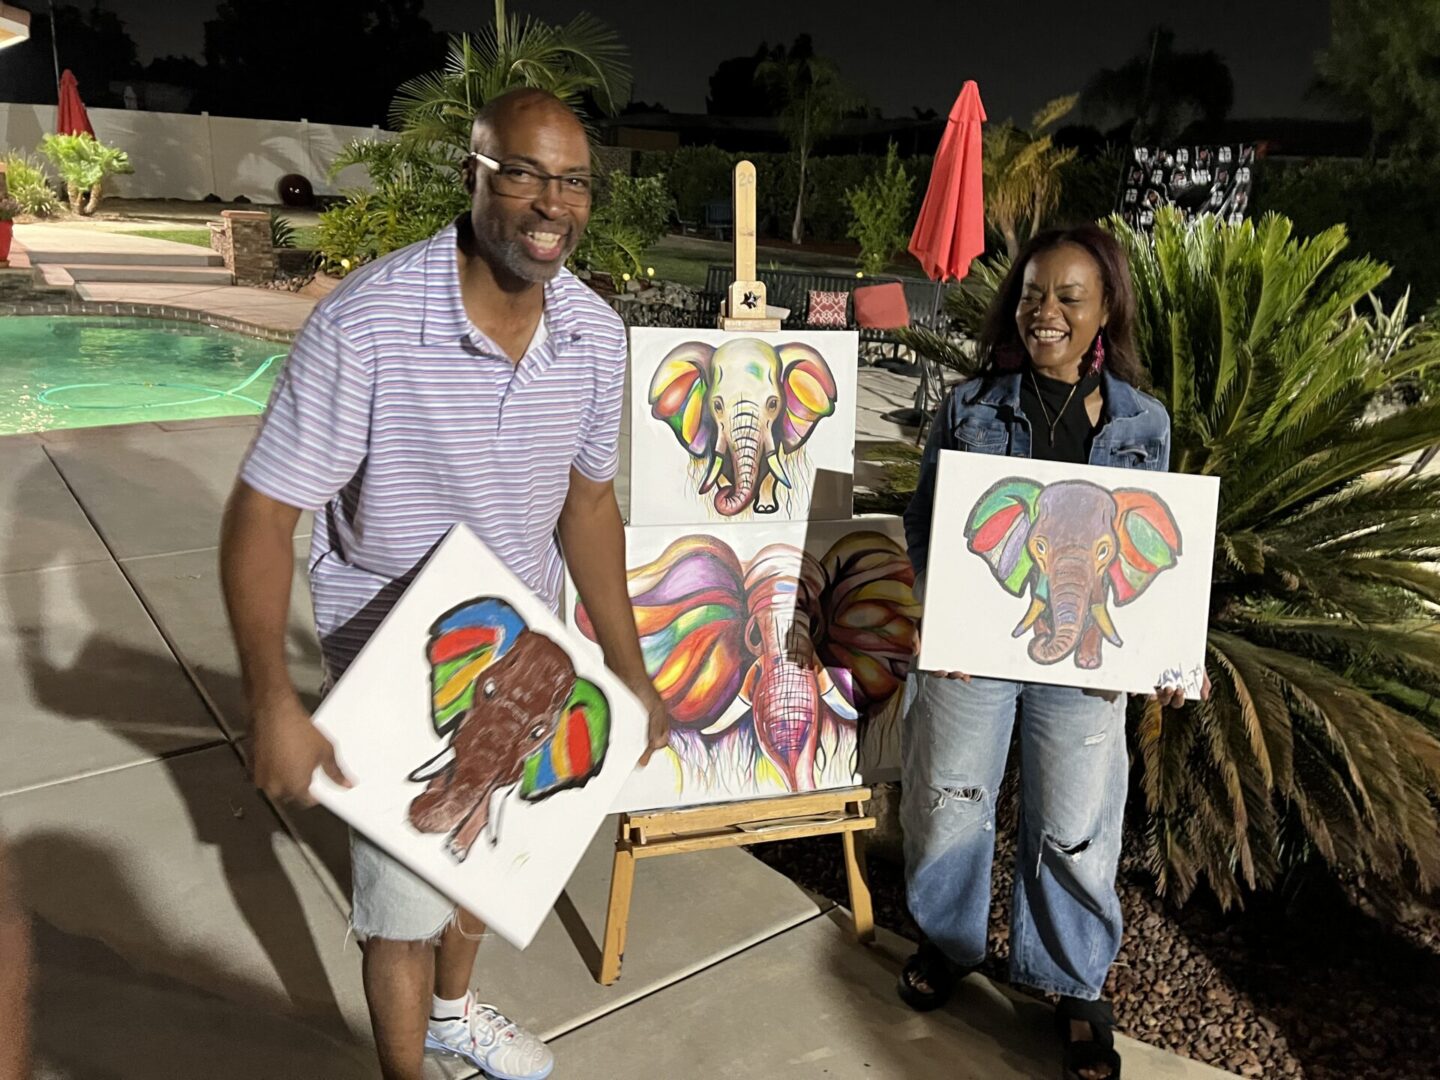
x=745, y=435
x=786, y=707
x=1069, y=607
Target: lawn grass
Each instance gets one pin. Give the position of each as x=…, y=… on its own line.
x=198, y=237
x=306, y=236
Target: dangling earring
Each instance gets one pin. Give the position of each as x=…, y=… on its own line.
x=1097, y=358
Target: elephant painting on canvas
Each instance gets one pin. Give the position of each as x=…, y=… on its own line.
x=744, y=411
x=1075, y=547
x=518, y=717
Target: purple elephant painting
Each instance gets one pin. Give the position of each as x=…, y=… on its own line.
x=743, y=411
x=1075, y=547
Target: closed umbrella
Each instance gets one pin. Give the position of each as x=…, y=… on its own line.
x=72, y=118
x=950, y=232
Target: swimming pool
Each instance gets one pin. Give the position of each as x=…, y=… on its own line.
x=74, y=371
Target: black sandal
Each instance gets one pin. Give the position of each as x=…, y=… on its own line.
x=1096, y=1051
x=930, y=966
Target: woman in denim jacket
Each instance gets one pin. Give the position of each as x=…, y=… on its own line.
x=1059, y=382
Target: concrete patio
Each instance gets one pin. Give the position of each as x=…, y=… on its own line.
x=204, y=931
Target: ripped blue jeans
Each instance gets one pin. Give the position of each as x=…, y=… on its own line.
x=1065, y=925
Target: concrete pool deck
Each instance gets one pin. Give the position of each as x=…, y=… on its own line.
x=213, y=926
x=209, y=926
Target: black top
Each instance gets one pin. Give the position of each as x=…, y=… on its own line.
x=1073, y=430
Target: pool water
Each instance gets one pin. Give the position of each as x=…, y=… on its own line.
x=73, y=371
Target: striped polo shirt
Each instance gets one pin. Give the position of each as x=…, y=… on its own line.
x=395, y=418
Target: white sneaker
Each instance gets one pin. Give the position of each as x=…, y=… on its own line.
x=491, y=1042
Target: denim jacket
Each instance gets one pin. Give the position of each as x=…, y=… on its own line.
x=983, y=416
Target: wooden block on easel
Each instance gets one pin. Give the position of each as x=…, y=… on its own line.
x=744, y=308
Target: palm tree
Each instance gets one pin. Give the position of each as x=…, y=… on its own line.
x=811, y=100
x=1324, y=646
x=582, y=60
x=1162, y=90
x=1022, y=171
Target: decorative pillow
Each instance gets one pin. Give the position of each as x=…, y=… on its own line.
x=827, y=310
x=881, y=307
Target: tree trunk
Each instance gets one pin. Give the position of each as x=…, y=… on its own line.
x=1012, y=239
x=75, y=196
x=95, y=196
x=797, y=227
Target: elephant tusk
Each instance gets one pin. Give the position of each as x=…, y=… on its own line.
x=777, y=468
x=1037, y=606
x=833, y=694
x=1106, y=625
x=435, y=766
x=712, y=474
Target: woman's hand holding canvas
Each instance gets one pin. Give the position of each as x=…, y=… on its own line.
x=1069, y=574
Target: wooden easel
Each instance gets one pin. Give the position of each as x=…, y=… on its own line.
x=756, y=821
x=700, y=828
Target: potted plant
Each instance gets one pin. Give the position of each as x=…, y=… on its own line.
x=9, y=209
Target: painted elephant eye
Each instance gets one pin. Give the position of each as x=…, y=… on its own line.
x=537, y=732
x=773, y=403
x=719, y=405
x=1102, y=551
x=489, y=688
x=1041, y=546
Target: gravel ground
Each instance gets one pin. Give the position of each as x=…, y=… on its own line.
x=1313, y=988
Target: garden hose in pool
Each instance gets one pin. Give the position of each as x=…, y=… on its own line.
x=45, y=396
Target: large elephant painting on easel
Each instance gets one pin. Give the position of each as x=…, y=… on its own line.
x=742, y=427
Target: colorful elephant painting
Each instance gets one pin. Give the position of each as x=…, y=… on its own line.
x=1075, y=546
x=743, y=411
x=808, y=646
x=517, y=714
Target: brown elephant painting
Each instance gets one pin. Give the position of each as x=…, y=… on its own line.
x=1075, y=546
x=518, y=717
x=743, y=411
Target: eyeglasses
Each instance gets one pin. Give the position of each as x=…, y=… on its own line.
x=518, y=182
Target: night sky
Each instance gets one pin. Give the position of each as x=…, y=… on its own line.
x=897, y=53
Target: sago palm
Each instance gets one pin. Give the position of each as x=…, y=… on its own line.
x=583, y=58
x=1324, y=646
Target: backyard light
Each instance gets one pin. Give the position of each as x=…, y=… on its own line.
x=650, y=271
x=624, y=277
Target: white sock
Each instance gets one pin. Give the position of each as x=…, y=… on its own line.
x=444, y=1009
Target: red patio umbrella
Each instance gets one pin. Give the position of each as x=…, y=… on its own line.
x=950, y=231
x=72, y=119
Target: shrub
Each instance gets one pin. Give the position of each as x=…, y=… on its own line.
x=9, y=208
x=640, y=204
x=29, y=186
x=84, y=164
x=1390, y=212
x=880, y=213
x=282, y=232
x=416, y=193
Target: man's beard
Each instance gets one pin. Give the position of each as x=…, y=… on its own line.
x=507, y=252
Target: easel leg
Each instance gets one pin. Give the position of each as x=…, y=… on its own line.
x=622, y=881
x=859, y=886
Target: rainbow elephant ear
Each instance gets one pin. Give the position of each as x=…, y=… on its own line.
x=576, y=751
x=463, y=643
x=999, y=527
x=1149, y=542
x=677, y=396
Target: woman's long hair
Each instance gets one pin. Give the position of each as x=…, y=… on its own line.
x=1000, y=336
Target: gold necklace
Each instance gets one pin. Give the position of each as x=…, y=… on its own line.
x=1053, y=424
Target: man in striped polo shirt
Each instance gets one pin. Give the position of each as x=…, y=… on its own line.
x=468, y=378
